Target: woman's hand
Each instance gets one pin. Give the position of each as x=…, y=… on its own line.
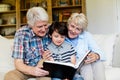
x=92, y=57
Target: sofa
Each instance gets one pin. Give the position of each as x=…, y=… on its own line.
x=109, y=43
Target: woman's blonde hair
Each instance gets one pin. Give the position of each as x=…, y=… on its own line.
x=79, y=19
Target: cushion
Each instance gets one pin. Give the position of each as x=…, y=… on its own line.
x=116, y=55
x=112, y=73
x=106, y=43
x=6, y=61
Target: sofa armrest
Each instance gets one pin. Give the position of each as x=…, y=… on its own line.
x=116, y=52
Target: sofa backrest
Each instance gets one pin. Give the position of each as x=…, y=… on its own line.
x=108, y=45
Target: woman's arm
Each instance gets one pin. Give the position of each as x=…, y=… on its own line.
x=96, y=52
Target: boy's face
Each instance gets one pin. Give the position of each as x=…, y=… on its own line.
x=57, y=39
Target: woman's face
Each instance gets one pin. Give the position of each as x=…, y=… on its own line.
x=73, y=30
x=40, y=28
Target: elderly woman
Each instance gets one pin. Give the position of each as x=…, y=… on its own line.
x=83, y=41
x=27, y=50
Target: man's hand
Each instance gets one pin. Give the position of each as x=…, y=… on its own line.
x=37, y=71
x=29, y=70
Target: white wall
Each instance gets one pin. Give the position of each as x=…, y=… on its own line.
x=118, y=12
x=102, y=16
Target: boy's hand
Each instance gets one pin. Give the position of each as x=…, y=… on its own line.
x=46, y=54
x=40, y=63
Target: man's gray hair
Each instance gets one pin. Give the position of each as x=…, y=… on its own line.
x=36, y=14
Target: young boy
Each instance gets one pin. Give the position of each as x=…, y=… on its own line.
x=61, y=51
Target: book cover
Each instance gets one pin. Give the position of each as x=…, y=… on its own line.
x=63, y=70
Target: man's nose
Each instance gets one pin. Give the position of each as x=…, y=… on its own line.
x=43, y=28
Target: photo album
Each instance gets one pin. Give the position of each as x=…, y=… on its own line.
x=63, y=70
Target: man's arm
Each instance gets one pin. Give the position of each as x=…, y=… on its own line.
x=35, y=71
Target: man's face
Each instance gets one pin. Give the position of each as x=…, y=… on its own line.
x=40, y=28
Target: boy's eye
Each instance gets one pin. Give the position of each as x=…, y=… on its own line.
x=62, y=36
x=56, y=36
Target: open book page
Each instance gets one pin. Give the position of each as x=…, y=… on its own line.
x=60, y=63
x=70, y=64
x=62, y=70
x=81, y=61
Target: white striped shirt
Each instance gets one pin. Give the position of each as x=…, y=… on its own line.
x=62, y=53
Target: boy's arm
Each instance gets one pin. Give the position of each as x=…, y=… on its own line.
x=73, y=59
x=45, y=56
